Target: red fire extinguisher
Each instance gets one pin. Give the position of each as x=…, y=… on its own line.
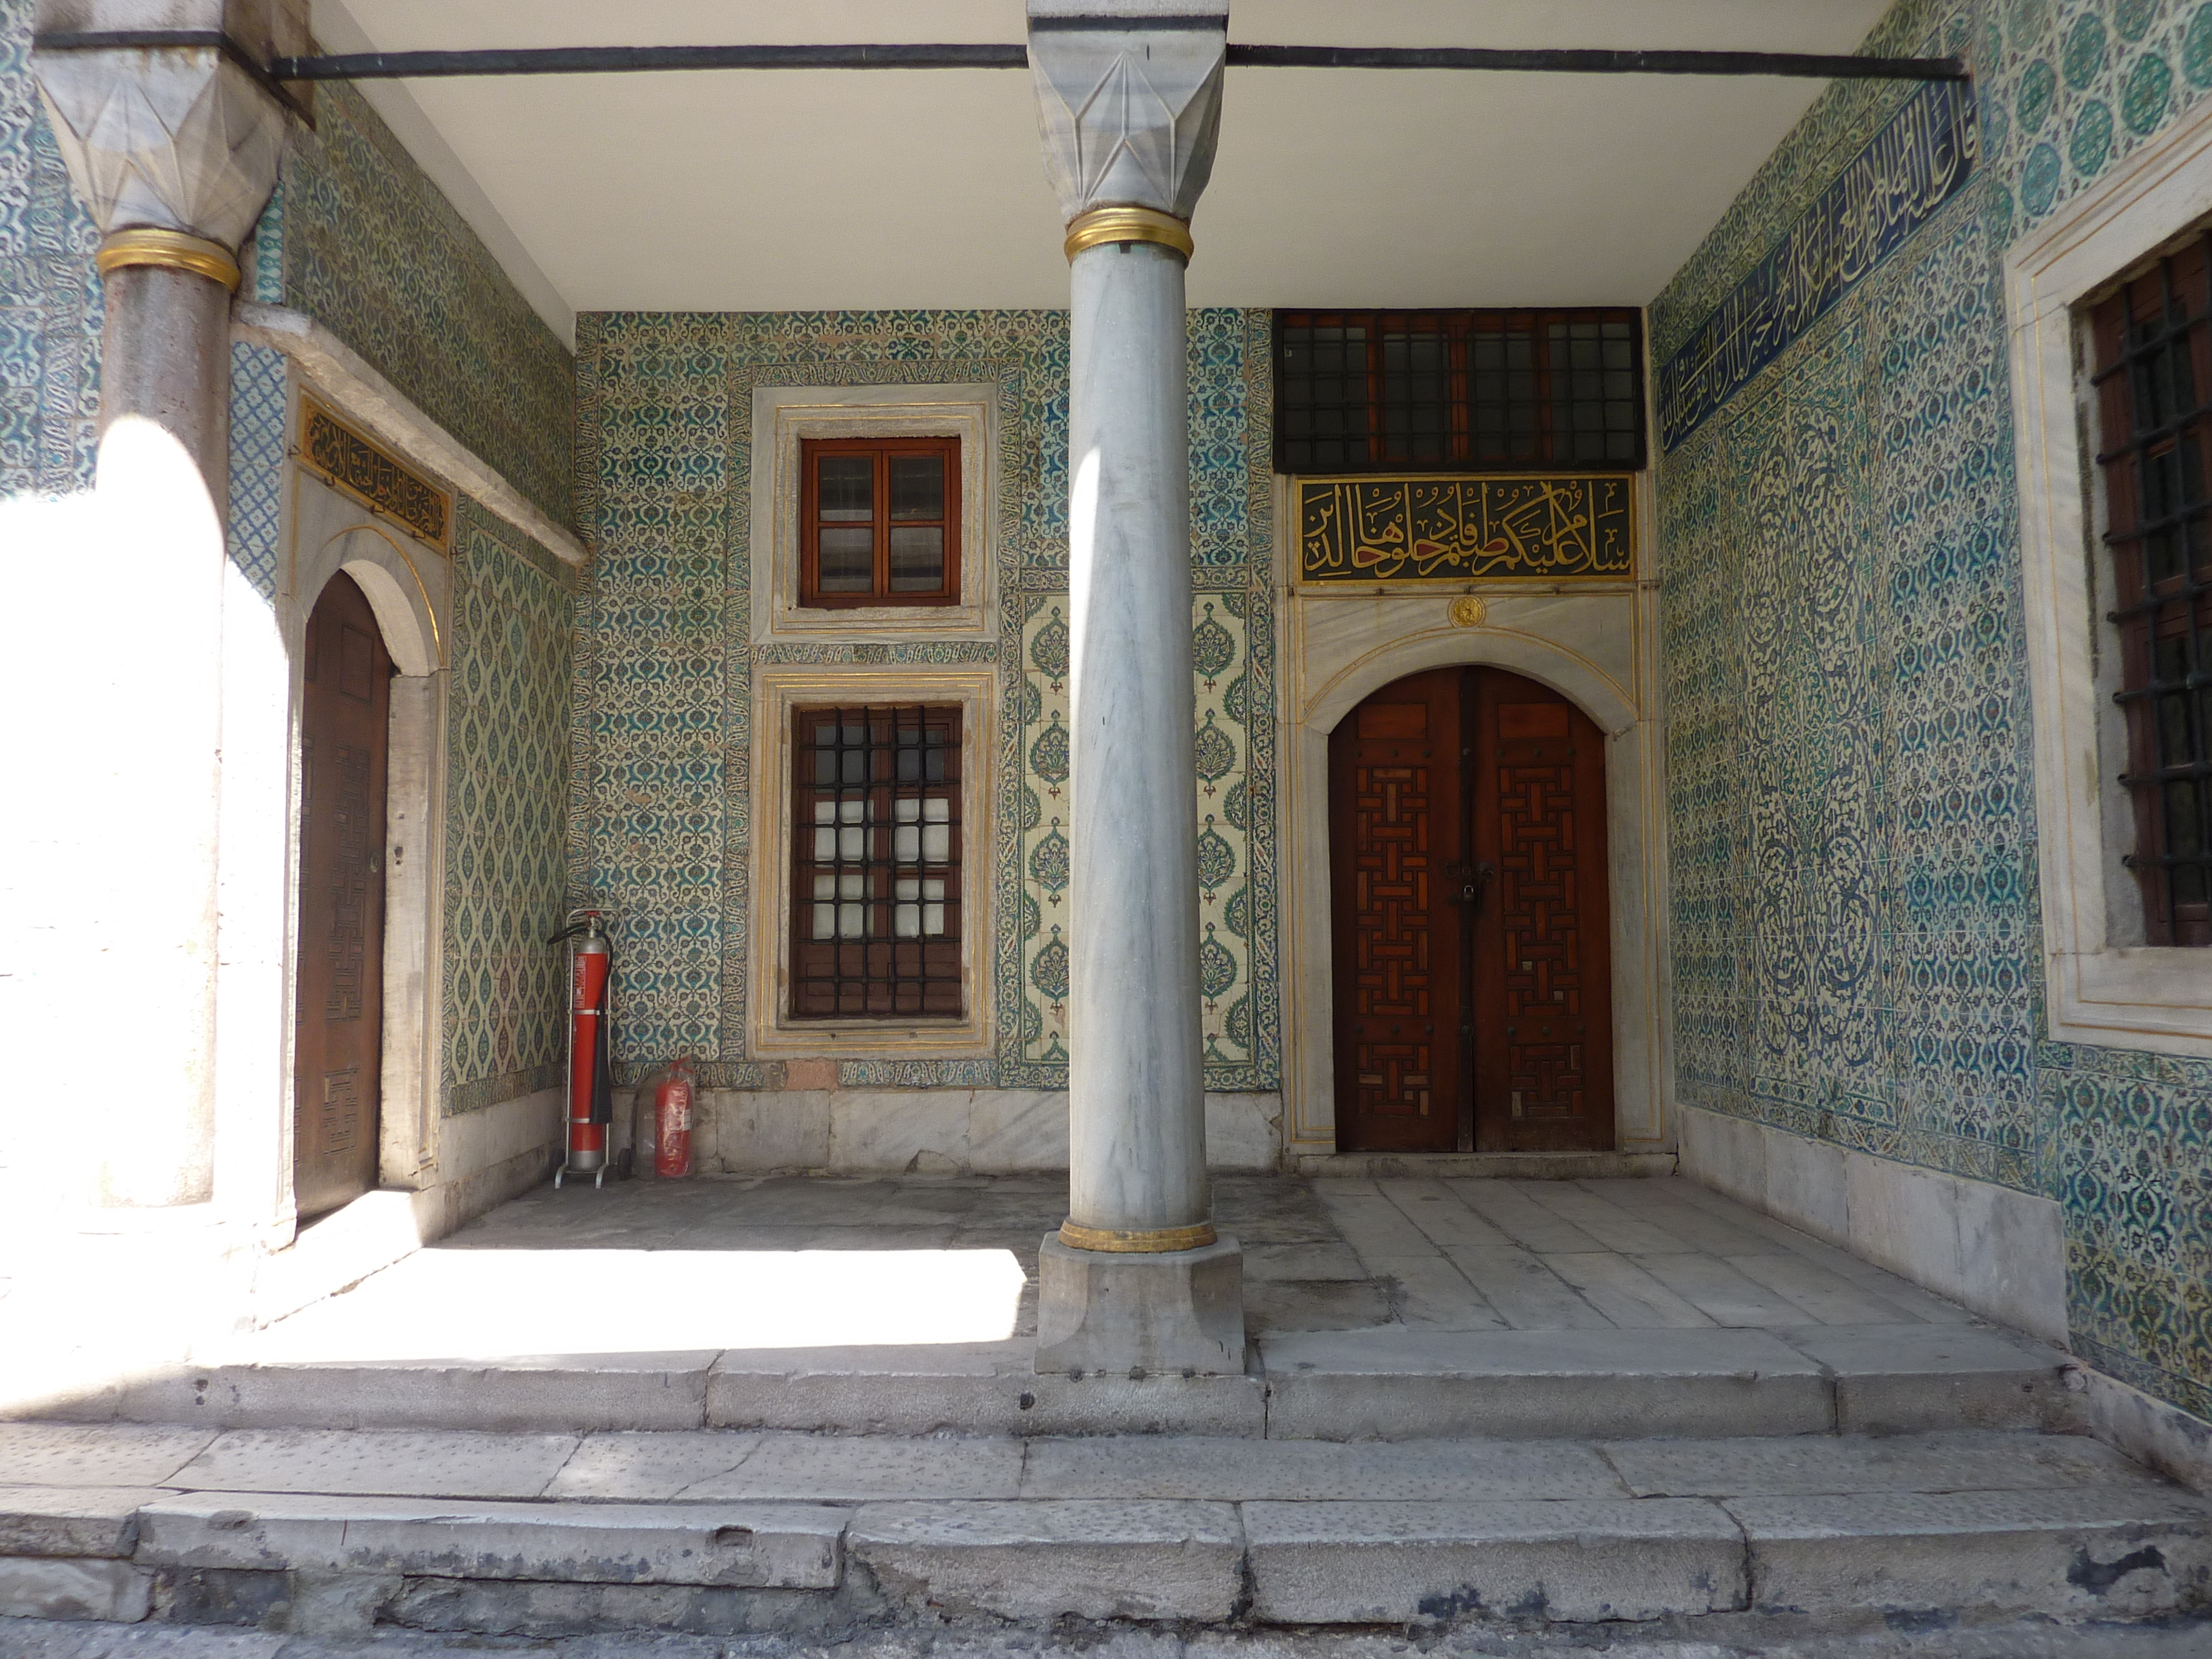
x=672, y=1121
x=591, y=1038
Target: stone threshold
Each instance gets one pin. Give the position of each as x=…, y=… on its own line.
x=1480, y=1166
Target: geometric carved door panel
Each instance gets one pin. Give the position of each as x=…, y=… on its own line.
x=1395, y=809
x=1543, y=958
x=1471, y=940
x=338, y=1044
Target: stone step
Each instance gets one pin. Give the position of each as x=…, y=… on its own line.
x=1410, y=1384
x=1396, y=1382
x=1818, y=1528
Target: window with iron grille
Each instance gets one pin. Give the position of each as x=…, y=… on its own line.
x=876, y=851
x=1458, y=390
x=2153, y=381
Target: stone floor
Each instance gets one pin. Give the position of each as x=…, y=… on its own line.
x=785, y=1262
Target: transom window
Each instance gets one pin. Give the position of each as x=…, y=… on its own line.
x=876, y=851
x=1384, y=391
x=2153, y=381
x=879, y=521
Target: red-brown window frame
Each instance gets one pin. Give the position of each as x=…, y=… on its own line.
x=877, y=974
x=811, y=451
x=2161, y=317
x=1457, y=327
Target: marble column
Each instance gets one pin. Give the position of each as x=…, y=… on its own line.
x=173, y=151
x=1137, y=1280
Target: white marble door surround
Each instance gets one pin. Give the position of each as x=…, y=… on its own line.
x=1595, y=645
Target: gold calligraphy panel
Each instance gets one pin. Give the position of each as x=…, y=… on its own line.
x=363, y=471
x=1559, y=528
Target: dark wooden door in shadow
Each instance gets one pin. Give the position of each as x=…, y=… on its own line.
x=1472, y=942
x=339, y=1054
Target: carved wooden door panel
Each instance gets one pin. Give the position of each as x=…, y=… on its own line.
x=1396, y=809
x=338, y=1049
x=1472, y=958
x=1543, y=960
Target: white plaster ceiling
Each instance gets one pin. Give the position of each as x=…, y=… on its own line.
x=832, y=190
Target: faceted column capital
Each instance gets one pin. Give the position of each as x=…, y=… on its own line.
x=1129, y=99
x=182, y=139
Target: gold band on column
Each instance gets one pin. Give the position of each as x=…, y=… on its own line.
x=172, y=250
x=1155, y=1242
x=1128, y=224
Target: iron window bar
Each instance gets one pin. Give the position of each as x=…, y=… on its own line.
x=876, y=873
x=618, y=60
x=2154, y=378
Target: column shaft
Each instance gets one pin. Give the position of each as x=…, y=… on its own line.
x=1136, y=1100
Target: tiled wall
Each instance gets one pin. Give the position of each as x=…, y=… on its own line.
x=1856, y=914
x=370, y=246
x=506, y=810
x=50, y=309
x=665, y=648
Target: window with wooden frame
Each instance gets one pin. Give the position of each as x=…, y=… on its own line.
x=876, y=851
x=1458, y=390
x=879, y=522
x=2154, y=382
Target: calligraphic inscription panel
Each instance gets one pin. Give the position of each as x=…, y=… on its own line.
x=1908, y=170
x=365, y=471
x=1395, y=797
x=1567, y=526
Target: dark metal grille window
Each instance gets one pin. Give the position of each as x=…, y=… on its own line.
x=1458, y=391
x=2153, y=379
x=875, y=850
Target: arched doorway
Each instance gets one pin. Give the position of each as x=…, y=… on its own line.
x=1471, y=940
x=338, y=1053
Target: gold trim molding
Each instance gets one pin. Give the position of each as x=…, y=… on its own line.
x=356, y=465
x=1128, y=224
x=1154, y=1242
x=168, y=250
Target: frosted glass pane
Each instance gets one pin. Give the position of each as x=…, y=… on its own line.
x=851, y=921
x=853, y=844
x=825, y=846
x=906, y=920
x=917, y=558
x=917, y=487
x=906, y=846
x=825, y=922
x=848, y=489
x=849, y=560
x=936, y=843
x=933, y=918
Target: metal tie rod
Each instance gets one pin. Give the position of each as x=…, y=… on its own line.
x=619, y=60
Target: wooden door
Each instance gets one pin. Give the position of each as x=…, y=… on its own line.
x=1472, y=955
x=338, y=1055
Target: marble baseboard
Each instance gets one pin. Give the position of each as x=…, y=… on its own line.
x=2165, y=1437
x=2000, y=1252
x=933, y=1131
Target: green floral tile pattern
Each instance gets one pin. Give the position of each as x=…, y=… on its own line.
x=506, y=810
x=368, y=246
x=50, y=309
x=662, y=721
x=1856, y=932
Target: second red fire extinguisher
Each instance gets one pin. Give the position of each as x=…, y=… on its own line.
x=672, y=1101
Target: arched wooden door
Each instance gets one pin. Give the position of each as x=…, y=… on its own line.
x=339, y=1054
x=1472, y=951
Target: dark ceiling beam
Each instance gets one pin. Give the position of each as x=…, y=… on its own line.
x=618, y=60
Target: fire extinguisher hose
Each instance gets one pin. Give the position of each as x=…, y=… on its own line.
x=603, y=1071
